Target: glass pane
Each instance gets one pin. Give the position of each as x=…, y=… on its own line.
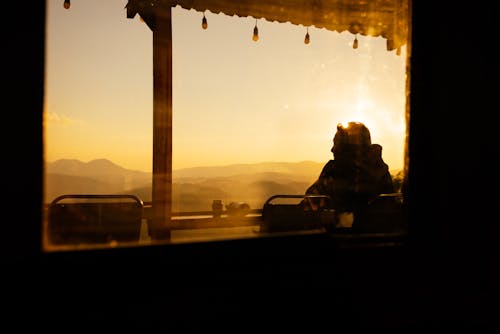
x=255, y=104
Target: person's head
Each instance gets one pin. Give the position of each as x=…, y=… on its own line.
x=350, y=136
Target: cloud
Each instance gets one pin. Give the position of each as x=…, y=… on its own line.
x=53, y=118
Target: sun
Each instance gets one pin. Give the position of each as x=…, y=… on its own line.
x=362, y=111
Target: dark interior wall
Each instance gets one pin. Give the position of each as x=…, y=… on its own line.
x=445, y=277
x=22, y=92
x=453, y=149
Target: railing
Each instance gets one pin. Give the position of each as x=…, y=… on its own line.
x=189, y=225
x=102, y=220
x=201, y=219
x=205, y=219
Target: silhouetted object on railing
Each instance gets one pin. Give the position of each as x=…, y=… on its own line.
x=357, y=175
x=217, y=208
x=93, y=219
x=237, y=209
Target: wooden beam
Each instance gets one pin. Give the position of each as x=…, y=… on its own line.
x=162, y=126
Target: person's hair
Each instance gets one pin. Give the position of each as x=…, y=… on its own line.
x=352, y=133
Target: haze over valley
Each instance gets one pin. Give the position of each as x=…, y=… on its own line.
x=193, y=189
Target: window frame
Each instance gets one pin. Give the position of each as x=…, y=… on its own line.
x=160, y=209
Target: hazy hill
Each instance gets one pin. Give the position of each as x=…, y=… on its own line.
x=300, y=169
x=100, y=176
x=193, y=189
x=251, y=183
x=100, y=169
x=59, y=184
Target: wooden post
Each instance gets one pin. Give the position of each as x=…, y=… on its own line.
x=162, y=125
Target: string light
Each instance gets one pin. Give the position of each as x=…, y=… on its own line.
x=204, y=23
x=355, y=43
x=307, y=39
x=255, y=36
x=390, y=44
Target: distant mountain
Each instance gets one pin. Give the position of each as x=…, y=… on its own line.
x=303, y=168
x=59, y=184
x=71, y=176
x=95, y=168
x=193, y=189
x=250, y=183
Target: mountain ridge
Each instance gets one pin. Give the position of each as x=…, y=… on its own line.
x=107, y=167
x=193, y=189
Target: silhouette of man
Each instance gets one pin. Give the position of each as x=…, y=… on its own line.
x=357, y=174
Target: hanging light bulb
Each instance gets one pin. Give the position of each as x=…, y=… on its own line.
x=398, y=51
x=67, y=4
x=255, y=36
x=355, y=43
x=307, y=39
x=390, y=45
x=204, y=23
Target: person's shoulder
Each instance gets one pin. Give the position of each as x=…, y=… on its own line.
x=375, y=154
x=376, y=149
x=328, y=167
x=329, y=164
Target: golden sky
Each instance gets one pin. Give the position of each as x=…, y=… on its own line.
x=234, y=100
